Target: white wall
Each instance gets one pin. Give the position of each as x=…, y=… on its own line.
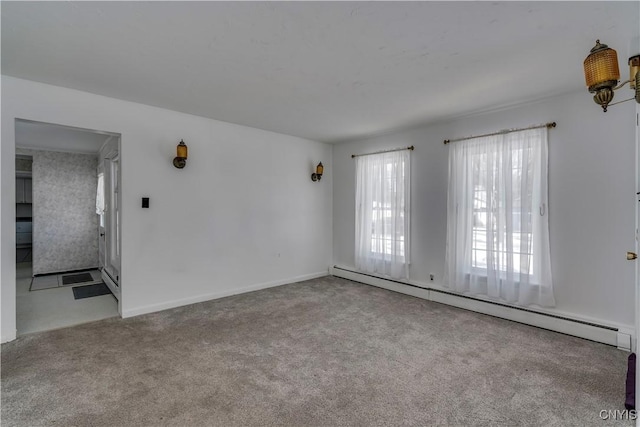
x=65, y=231
x=243, y=214
x=591, y=206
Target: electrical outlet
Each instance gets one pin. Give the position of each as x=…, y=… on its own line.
x=431, y=277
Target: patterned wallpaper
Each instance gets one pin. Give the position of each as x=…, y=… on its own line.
x=65, y=224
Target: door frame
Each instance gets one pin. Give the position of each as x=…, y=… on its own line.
x=637, y=269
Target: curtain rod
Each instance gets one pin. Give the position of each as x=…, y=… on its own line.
x=383, y=151
x=547, y=125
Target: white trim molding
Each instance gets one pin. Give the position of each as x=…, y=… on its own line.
x=620, y=336
x=216, y=295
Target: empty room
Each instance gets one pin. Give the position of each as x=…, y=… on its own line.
x=319, y=213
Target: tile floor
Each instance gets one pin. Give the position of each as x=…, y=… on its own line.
x=55, y=308
x=55, y=280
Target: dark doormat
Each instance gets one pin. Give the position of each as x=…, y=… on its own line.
x=80, y=292
x=77, y=278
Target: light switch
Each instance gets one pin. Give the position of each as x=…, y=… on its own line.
x=145, y=202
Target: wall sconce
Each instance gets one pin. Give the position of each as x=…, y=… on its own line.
x=601, y=74
x=180, y=160
x=317, y=175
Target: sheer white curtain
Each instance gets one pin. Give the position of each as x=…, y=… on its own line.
x=498, y=224
x=382, y=213
x=100, y=195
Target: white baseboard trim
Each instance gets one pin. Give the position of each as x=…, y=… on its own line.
x=216, y=295
x=620, y=336
x=12, y=336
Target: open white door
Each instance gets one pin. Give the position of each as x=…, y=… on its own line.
x=635, y=346
x=100, y=210
x=111, y=237
x=634, y=49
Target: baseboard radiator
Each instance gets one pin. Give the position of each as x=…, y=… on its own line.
x=618, y=336
x=111, y=284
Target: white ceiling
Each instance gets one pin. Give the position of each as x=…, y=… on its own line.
x=328, y=71
x=46, y=136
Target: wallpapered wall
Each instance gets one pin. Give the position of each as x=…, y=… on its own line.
x=65, y=224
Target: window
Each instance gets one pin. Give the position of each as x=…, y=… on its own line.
x=497, y=228
x=382, y=213
x=491, y=222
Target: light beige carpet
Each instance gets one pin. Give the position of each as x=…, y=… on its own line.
x=322, y=352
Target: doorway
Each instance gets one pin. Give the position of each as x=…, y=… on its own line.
x=63, y=282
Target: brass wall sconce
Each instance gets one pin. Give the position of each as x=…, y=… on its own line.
x=601, y=74
x=317, y=175
x=180, y=160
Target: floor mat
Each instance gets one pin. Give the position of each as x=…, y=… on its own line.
x=44, y=282
x=80, y=292
x=72, y=279
x=53, y=280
